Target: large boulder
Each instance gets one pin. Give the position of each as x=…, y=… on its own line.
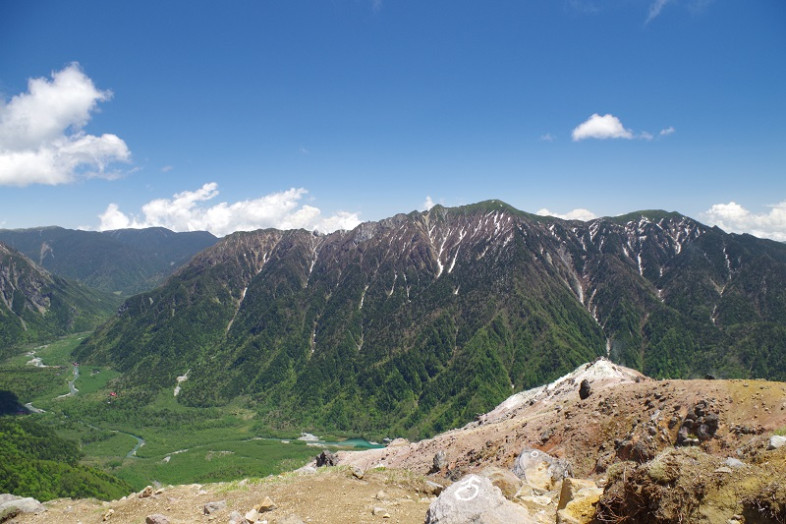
x=11, y=506
x=475, y=499
x=540, y=470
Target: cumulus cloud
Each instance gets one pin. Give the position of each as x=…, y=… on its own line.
x=576, y=214
x=188, y=211
x=428, y=203
x=42, y=140
x=666, y=132
x=601, y=127
x=733, y=217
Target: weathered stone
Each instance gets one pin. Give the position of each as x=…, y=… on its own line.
x=156, y=518
x=698, y=426
x=236, y=518
x=776, y=441
x=147, y=492
x=379, y=511
x=439, y=461
x=577, y=501
x=108, y=515
x=540, y=470
x=212, y=507
x=504, y=479
x=11, y=505
x=266, y=505
x=584, y=389
x=570, y=487
x=252, y=515
x=357, y=472
x=542, y=508
x=326, y=458
x=475, y=499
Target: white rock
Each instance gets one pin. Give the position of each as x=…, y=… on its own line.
x=475, y=499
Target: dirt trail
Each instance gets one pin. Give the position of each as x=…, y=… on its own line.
x=329, y=496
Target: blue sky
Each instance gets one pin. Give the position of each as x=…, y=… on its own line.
x=238, y=115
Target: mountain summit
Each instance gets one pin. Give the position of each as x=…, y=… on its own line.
x=420, y=322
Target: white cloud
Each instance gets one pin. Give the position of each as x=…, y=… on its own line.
x=548, y=137
x=576, y=214
x=187, y=211
x=428, y=203
x=655, y=8
x=666, y=132
x=601, y=127
x=167, y=169
x=41, y=132
x=732, y=217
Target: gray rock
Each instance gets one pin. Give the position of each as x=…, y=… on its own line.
x=734, y=463
x=212, y=507
x=236, y=518
x=776, y=441
x=475, y=499
x=11, y=505
x=156, y=518
x=326, y=458
x=540, y=470
x=439, y=461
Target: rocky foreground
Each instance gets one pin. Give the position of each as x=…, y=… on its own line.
x=602, y=444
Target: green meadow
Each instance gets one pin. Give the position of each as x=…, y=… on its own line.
x=181, y=444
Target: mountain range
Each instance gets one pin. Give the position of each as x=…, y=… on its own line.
x=417, y=323
x=35, y=305
x=123, y=261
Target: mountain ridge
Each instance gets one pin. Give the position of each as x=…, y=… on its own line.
x=125, y=261
x=35, y=304
x=421, y=320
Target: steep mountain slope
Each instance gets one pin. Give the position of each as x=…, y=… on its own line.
x=421, y=321
x=124, y=260
x=35, y=304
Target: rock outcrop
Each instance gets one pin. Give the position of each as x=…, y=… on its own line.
x=475, y=499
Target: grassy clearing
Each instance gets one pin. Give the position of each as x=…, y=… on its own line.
x=216, y=461
x=203, y=444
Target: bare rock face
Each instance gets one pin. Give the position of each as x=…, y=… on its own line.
x=475, y=499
